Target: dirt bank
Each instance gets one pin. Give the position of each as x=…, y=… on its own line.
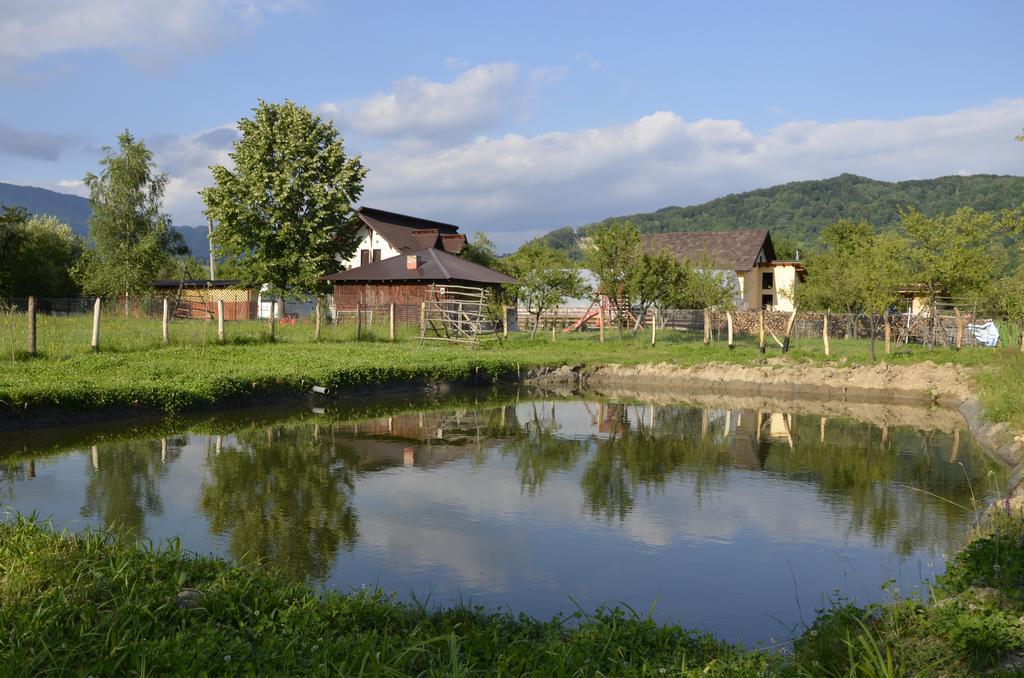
x=922, y=383
x=867, y=392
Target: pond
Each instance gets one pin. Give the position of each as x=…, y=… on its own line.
x=735, y=516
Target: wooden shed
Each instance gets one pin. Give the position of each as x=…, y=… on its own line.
x=198, y=298
x=406, y=280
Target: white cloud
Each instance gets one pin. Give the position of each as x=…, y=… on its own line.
x=515, y=186
x=147, y=32
x=73, y=186
x=477, y=99
x=186, y=160
x=527, y=185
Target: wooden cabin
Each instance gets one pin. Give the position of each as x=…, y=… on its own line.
x=405, y=280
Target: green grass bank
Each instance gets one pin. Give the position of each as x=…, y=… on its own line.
x=134, y=371
x=94, y=604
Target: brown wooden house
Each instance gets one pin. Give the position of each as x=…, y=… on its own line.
x=406, y=280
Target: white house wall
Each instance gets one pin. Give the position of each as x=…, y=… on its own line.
x=368, y=240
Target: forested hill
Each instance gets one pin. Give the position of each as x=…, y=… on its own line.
x=74, y=211
x=798, y=211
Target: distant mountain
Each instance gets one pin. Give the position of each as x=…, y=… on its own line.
x=798, y=211
x=74, y=210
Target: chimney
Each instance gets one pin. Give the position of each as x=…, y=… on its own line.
x=410, y=262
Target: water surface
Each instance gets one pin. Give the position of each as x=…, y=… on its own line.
x=735, y=518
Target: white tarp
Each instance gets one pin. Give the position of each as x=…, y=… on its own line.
x=986, y=333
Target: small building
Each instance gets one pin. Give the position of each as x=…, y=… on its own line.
x=747, y=256
x=384, y=235
x=195, y=298
x=406, y=280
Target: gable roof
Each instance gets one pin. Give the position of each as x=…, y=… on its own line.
x=432, y=264
x=410, y=234
x=735, y=250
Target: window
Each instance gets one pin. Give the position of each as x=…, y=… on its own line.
x=376, y=255
x=767, y=300
x=767, y=280
x=364, y=257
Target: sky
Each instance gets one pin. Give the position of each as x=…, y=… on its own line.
x=519, y=117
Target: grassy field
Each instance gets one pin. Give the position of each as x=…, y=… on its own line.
x=95, y=604
x=134, y=368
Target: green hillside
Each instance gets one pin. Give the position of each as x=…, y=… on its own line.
x=798, y=211
x=74, y=211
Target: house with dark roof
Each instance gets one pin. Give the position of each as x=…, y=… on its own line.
x=384, y=235
x=761, y=280
x=399, y=259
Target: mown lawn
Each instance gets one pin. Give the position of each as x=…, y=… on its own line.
x=134, y=369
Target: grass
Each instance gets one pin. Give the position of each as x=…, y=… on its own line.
x=135, y=370
x=93, y=603
x=96, y=604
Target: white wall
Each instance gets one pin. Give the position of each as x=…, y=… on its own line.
x=369, y=240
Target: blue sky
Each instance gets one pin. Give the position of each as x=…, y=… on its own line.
x=515, y=118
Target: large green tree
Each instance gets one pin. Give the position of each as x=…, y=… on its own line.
x=658, y=280
x=286, y=209
x=42, y=261
x=954, y=254
x=131, y=237
x=612, y=252
x=546, y=277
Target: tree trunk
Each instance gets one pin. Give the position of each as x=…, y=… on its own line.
x=536, y=324
x=959, y=329
x=707, y=326
x=273, y=308
x=728, y=322
x=1022, y=336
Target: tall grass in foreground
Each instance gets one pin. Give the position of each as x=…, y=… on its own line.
x=95, y=604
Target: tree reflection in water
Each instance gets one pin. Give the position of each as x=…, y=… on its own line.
x=283, y=495
x=123, y=482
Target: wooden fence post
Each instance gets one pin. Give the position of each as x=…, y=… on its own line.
x=316, y=331
x=654, y=327
x=359, y=321
x=96, y=326
x=391, y=321
x=707, y=326
x=164, y=330
x=824, y=334
x=760, y=324
x=423, y=321
x=959, y=329
x=728, y=323
x=220, y=320
x=888, y=335
x=789, y=331
x=31, y=325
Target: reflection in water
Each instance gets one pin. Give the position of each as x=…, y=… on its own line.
x=522, y=503
x=122, y=486
x=283, y=495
